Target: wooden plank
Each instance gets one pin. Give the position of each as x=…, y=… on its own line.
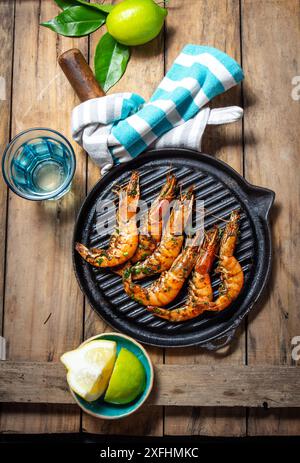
x=144, y=72
x=213, y=23
x=179, y=385
x=271, y=51
x=6, y=52
x=43, y=305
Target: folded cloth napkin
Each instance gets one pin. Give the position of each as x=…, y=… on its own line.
x=117, y=128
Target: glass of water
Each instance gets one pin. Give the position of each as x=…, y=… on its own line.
x=39, y=164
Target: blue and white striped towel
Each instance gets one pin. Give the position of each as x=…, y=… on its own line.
x=117, y=128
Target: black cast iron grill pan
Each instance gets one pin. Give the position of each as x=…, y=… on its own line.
x=222, y=190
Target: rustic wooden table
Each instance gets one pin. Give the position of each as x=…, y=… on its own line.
x=44, y=312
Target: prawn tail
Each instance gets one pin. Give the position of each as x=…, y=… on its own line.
x=162, y=313
x=214, y=307
x=136, y=292
x=87, y=253
x=133, y=185
x=82, y=250
x=168, y=190
x=178, y=315
x=230, y=234
x=120, y=269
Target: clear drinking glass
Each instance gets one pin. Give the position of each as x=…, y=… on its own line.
x=39, y=164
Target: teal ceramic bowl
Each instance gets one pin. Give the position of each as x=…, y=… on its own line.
x=101, y=409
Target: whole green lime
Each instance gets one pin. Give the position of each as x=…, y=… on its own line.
x=128, y=379
x=135, y=22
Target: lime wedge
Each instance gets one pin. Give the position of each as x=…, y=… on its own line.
x=128, y=379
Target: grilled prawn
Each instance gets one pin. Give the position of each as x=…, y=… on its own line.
x=170, y=245
x=232, y=275
x=150, y=233
x=166, y=288
x=200, y=289
x=232, y=280
x=124, y=240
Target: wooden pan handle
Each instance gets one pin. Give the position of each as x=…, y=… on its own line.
x=80, y=75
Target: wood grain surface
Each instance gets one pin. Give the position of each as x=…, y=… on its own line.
x=43, y=304
x=145, y=71
x=44, y=311
x=272, y=118
x=242, y=386
x=6, y=60
x=221, y=29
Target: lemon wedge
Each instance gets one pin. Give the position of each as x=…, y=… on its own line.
x=90, y=367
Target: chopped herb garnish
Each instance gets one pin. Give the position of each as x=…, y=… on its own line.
x=133, y=192
x=147, y=271
x=126, y=273
x=135, y=299
x=136, y=270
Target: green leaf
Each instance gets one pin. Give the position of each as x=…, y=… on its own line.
x=100, y=6
x=76, y=21
x=64, y=4
x=106, y=8
x=110, y=61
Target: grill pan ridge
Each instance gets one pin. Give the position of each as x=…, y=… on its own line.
x=222, y=190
